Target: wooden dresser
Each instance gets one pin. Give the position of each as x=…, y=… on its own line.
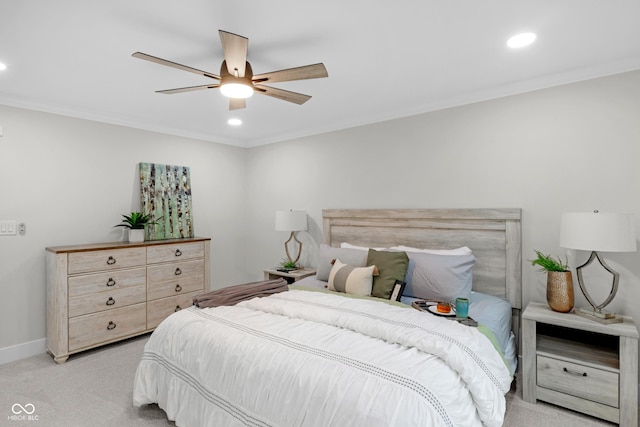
x=102, y=293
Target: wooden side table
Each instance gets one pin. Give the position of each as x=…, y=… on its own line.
x=580, y=364
x=290, y=277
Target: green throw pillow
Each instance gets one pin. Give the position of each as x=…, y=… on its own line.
x=392, y=266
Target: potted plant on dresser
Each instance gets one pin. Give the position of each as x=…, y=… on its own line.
x=136, y=223
x=559, y=282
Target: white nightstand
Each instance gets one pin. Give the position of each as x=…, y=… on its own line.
x=290, y=277
x=580, y=364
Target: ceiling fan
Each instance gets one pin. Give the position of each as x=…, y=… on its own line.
x=236, y=79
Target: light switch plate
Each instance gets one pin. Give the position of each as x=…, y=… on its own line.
x=7, y=228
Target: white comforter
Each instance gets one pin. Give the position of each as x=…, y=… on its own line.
x=303, y=358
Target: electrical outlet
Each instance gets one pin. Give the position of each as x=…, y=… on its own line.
x=7, y=228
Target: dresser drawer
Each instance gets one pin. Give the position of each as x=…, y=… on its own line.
x=117, y=279
x=174, y=287
x=109, y=300
x=160, y=309
x=174, y=252
x=597, y=385
x=174, y=270
x=104, y=260
x=98, y=328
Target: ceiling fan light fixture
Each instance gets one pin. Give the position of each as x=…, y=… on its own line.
x=236, y=89
x=521, y=40
x=237, y=81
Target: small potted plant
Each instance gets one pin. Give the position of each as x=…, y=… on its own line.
x=559, y=281
x=288, y=265
x=136, y=222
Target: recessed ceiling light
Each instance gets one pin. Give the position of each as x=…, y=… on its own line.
x=2, y=66
x=521, y=40
x=234, y=122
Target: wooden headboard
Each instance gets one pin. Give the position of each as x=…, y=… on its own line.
x=493, y=235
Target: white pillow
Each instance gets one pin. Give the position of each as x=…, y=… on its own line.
x=458, y=251
x=346, y=245
x=351, y=280
x=439, y=277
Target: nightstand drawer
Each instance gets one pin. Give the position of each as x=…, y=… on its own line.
x=110, y=259
x=92, y=329
x=586, y=382
x=174, y=252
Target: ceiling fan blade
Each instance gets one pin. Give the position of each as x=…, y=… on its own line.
x=285, y=95
x=188, y=89
x=174, y=65
x=237, y=103
x=314, y=71
x=235, y=51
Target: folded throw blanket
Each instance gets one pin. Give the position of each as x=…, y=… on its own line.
x=234, y=294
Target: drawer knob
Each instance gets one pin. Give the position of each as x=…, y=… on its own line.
x=111, y=325
x=177, y=309
x=578, y=374
x=111, y=282
x=178, y=272
x=111, y=260
x=178, y=288
x=178, y=252
x=111, y=301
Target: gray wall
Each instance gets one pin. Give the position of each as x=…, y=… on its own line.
x=70, y=180
x=574, y=147
x=569, y=148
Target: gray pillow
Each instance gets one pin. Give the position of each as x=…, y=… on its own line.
x=439, y=277
x=326, y=254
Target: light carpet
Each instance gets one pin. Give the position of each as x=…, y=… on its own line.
x=94, y=388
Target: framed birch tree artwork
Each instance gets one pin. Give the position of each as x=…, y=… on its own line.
x=166, y=198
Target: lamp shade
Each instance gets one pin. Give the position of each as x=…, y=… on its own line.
x=291, y=220
x=598, y=231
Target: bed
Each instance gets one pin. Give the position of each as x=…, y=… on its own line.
x=318, y=358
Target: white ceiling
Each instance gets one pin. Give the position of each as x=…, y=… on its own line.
x=385, y=59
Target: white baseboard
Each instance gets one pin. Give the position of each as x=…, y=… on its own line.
x=22, y=351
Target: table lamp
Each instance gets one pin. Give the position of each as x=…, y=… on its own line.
x=292, y=221
x=598, y=232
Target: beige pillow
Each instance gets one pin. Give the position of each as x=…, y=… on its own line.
x=351, y=280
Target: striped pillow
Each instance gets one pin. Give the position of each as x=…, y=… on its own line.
x=351, y=280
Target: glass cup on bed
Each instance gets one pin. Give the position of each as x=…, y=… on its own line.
x=462, y=308
x=444, y=307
